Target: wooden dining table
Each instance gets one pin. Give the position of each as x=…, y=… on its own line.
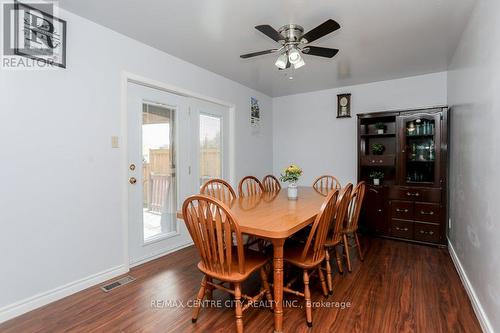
x=273, y=217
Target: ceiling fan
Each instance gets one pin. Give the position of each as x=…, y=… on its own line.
x=294, y=41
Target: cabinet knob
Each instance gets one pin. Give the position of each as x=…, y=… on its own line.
x=401, y=210
x=380, y=210
x=426, y=213
x=416, y=194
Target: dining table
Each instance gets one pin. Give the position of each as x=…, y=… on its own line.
x=273, y=217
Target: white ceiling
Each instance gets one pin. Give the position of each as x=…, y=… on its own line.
x=378, y=39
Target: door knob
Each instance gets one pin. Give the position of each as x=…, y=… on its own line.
x=132, y=180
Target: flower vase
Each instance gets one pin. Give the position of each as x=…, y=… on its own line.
x=292, y=191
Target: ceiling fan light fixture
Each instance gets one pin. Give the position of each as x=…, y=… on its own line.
x=282, y=61
x=299, y=64
x=294, y=56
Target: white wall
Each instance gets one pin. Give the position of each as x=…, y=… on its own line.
x=306, y=131
x=474, y=95
x=61, y=192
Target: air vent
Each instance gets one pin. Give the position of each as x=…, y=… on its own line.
x=118, y=283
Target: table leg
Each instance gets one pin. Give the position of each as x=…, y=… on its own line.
x=278, y=284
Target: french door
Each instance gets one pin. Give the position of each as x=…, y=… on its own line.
x=174, y=143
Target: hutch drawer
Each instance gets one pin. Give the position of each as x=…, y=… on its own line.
x=426, y=232
x=401, y=229
x=427, y=212
x=378, y=160
x=401, y=209
x=416, y=194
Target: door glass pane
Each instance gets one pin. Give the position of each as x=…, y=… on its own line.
x=421, y=150
x=210, y=147
x=158, y=170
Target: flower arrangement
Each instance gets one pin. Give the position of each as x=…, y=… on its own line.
x=291, y=174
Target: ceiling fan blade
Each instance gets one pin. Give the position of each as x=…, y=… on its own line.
x=254, y=54
x=320, y=51
x=270, y=32
x=321, y=30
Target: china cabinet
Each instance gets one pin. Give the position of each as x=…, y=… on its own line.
x=410, y=153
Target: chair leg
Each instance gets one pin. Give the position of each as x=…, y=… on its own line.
x=323, y=281
x=263, y=277
x=307, y=296
x=339, y=260
x=210, y=289
x=199, y=299
x=238, y=308
x=329, y=278
x=360, y=253
x=346, y=251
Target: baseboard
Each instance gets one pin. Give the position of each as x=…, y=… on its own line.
x=476, y=305
x=16, y=309
x=160, y=254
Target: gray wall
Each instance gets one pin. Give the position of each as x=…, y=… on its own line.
x=474, y=95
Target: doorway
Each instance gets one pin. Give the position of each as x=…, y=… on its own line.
x=174, y=144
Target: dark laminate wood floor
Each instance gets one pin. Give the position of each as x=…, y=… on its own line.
x=399, y=287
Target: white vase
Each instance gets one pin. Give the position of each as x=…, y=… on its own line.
x=292, y=191
x=376, y=182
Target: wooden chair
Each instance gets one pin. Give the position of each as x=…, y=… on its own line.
x=310, y=255
x=271, y=184
x=249, y=185
x=326, y=183
x=335, y=235
x=219, y=189
x=212, y=227
x=350, y=227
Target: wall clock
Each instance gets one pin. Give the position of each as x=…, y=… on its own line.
x=344, y=106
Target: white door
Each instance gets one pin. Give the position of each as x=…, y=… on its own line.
x=211, y=127
x=159, y=154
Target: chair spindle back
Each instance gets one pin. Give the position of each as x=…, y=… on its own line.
x=326, y=183
x=214, y=228
x=271, y=184
x=249, y=185
x=337, y=223
x=219, y=189
x=319, y=230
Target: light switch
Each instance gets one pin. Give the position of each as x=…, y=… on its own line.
x=114, y=142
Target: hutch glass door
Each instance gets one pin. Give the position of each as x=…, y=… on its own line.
x=420, y=153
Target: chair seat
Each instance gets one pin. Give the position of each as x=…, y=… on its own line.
x=253, y=261
x=293, y=254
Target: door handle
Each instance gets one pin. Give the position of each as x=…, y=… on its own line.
x=132, y=180
x=401, y=210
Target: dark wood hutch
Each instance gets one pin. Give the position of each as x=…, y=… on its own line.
x=411, y=201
